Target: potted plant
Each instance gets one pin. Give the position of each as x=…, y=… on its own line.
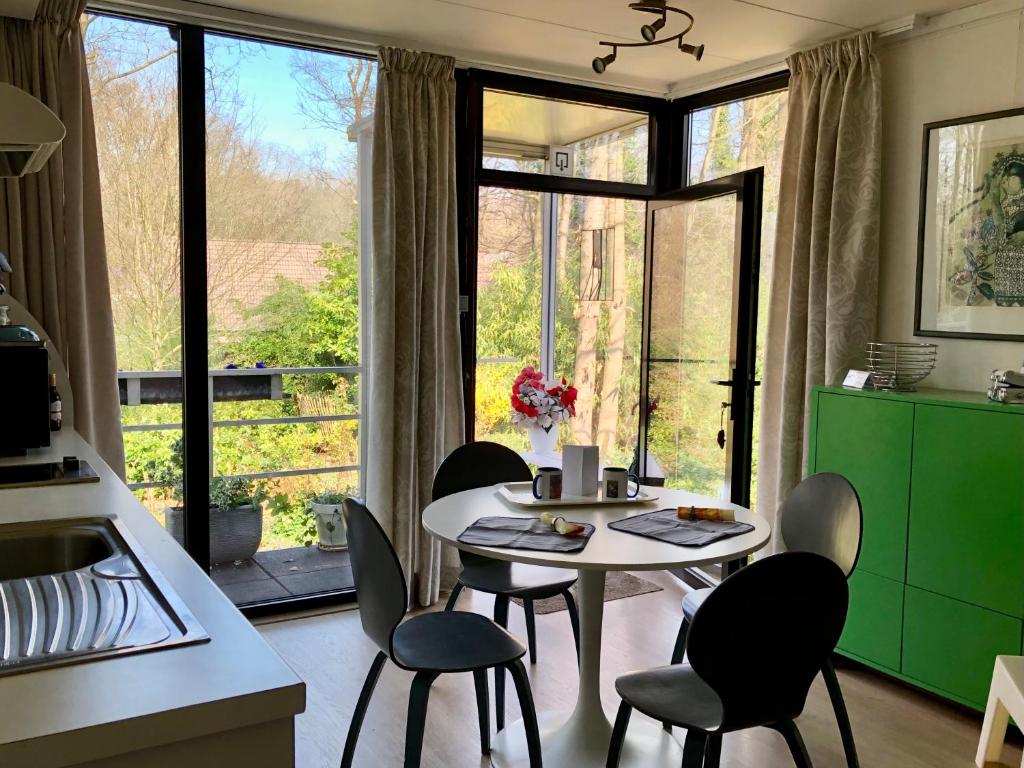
x=330, y=525
x=236, y=510
x=313, y=517
x=539, y=406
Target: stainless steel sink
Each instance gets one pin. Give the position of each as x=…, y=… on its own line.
x=78, y=589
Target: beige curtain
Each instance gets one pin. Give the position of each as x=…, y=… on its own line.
x=51, y=224
x=415, y=370
x=825, y=274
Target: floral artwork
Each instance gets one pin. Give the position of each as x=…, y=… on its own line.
x=971, y=250
x=539, y=403
x=984, y=239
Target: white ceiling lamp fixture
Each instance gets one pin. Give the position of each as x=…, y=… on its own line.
x=649, y=32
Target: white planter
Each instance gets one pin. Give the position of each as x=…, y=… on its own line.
x=330, y=527
x=543, y=441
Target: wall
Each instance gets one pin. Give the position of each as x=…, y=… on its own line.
x=958, y=65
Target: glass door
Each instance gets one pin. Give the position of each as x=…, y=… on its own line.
x=697, y=377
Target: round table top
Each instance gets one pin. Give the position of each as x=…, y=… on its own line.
x=607, y=550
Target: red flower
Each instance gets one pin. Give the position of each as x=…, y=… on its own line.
x=568, y=397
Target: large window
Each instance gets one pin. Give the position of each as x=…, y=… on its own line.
x=559, y=286
x=286, y=133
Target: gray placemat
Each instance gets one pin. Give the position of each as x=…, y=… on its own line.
x=665, y=525
x=523, y=533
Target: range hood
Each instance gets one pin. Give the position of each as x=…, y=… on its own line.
x=29, y=132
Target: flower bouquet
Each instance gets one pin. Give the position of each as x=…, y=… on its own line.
x=538, y=405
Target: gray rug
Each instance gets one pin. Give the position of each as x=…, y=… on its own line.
x=617, y=585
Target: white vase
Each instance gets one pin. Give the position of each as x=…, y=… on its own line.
x=543, y=441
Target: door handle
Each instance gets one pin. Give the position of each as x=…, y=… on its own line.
x=721, y=383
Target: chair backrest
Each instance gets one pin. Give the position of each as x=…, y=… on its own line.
x=477, y=465
x=762, y=635
x=823, y=515
x=378, y=576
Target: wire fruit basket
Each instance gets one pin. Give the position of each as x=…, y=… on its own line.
x=899, y=366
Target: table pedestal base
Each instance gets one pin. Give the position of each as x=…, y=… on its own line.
x=580, y=740
x=571, y=745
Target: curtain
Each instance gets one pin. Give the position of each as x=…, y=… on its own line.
x=415, y=371
x=824, y=291
x=51, y=223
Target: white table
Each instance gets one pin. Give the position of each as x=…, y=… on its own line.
x=580, y=739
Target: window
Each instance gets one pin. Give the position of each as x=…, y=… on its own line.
x=287, y=132
x=603, y=143
x=559, y=286
x=133, y=74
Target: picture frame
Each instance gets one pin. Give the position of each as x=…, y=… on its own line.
x=970, y=240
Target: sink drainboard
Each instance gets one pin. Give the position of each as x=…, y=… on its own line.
x=118, y=605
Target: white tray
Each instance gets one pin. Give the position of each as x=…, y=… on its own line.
x=522, y=495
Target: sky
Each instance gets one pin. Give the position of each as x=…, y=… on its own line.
x=266, y=84
x=262, y=74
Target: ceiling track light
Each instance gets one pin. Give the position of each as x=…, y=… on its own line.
x=649, y=32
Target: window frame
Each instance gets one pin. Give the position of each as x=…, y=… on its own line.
x=196, y=407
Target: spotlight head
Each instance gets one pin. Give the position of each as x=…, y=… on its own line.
x=600, y=63
x=697, y=51
x=650, y=31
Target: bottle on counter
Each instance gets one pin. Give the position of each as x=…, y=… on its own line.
x=56, y=407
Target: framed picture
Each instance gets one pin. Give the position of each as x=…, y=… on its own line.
x=970, y=243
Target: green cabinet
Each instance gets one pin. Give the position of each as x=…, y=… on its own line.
x=951, y=645
x=939, y=588
x=869, y=442
x=874, y=623
x=966, y=521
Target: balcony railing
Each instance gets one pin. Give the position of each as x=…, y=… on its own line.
x=237, y=384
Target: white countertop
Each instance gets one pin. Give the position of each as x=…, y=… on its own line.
x=92, y=710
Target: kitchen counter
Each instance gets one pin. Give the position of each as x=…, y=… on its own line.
x=228, y=701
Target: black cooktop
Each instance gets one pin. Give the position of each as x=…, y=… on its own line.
x=70, y=470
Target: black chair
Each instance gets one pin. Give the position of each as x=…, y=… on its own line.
x=478, y=465
x=823, y=515
x=735, y=678
x=429, y=644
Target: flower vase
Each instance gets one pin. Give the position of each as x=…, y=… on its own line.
x=543, y=440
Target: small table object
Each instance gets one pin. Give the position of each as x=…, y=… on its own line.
x=1005, y=700
x=580, y=739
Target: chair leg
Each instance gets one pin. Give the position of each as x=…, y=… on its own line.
x=501, y=619
x=417, y=718
x=454, y=596
x=483, y=709
x=828, y=671
x=679, y=649
x=529, y=712
x=360, y=711
x=713, y=751
x=574, y=619
x=795, y=741
x=693, y=748
x=531, y=630
x=618, y=735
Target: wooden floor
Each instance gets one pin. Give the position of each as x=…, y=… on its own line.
x=895, y=726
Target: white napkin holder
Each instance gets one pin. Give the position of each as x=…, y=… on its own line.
x=580, y=465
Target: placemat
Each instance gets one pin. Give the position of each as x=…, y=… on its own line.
x=665, y=525
x=523, y=533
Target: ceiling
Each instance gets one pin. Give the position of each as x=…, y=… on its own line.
x=559, y=37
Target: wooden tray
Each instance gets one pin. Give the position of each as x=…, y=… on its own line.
x=521, y=494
